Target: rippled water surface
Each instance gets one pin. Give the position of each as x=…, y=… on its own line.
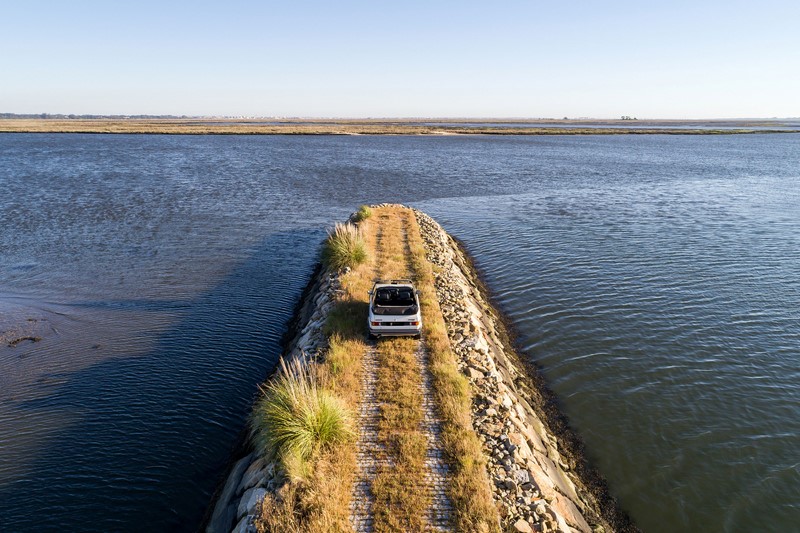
x=655, y=279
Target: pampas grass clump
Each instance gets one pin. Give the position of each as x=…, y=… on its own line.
x=344, y=247
x=296, y=417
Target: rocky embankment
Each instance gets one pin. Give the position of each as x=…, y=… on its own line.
x=540, y=479
x=541, y=482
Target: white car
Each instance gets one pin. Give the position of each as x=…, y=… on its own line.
x=394, y=309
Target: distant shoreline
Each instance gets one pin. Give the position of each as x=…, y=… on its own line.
x=390, y=127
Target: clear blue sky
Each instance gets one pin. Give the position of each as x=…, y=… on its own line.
x=672, y=59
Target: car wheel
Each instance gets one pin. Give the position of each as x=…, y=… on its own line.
x=371, y=337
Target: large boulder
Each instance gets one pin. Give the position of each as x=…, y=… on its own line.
x=225, y=510
x=249, y=501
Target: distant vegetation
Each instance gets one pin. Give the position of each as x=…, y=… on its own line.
x=214, y=126
x=363, y=213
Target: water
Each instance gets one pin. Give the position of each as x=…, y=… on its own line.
x=654, y=278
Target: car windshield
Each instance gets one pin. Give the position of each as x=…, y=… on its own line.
x=394, y=297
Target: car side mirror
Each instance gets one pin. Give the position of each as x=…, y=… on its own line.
x=369, y=292
x=418, y=293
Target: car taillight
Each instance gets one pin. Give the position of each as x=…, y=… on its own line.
x=375, y=323
x=414, y=323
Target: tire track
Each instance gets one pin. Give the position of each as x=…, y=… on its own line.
x=370, y=453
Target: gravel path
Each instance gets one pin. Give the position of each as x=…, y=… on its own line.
x=370, y=454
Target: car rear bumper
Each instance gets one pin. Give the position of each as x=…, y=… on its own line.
x=395, y=331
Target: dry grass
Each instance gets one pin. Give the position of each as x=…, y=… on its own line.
x=316, y=494
x=317, y=503
x=343, y=364
x=399, y=385
x=400, y=493
x=303, y=419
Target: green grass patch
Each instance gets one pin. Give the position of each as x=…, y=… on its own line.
x=363, y=213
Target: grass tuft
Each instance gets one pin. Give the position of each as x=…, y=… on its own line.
x=297, y=417
x=344, y=247
x=363, y=213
